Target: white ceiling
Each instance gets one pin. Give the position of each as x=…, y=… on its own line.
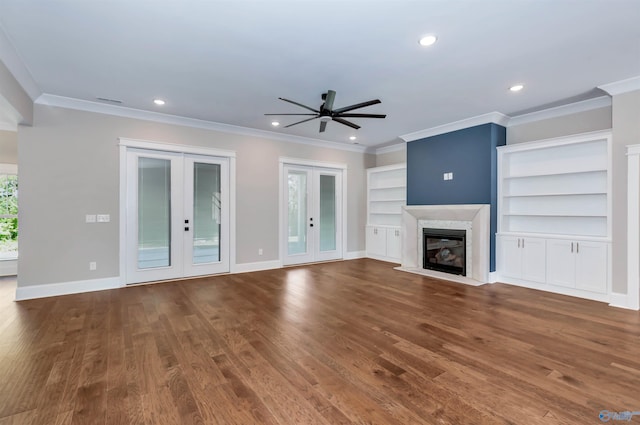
x=229, y=61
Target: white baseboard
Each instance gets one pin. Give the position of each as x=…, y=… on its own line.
x=493, y=277
x=354, y=255
x=255, y=267
x=622, y=301
x=8, y=267
x=66, y=288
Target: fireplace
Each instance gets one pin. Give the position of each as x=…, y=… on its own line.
x=444, y=250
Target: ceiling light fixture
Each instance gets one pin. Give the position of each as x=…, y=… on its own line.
x=275, y=123
x=428, y=40
x=159, y=102
x=516, y=87
x=352, y=137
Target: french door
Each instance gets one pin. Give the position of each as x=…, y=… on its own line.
x=177, y=219
x=313, y=214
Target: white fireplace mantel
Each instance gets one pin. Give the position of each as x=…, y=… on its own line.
x=480, y=218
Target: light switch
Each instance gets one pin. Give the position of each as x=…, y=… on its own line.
x=104, y=218
x=445, y=176
x=90, y=218
x=450, y=175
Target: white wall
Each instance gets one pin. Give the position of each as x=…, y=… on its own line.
x=69, y=167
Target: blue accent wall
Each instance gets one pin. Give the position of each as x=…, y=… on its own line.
x=471, y=155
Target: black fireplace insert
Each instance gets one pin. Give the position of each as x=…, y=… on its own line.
x=445, y=250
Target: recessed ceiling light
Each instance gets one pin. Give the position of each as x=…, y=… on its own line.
x=428, y=40
x=275, y=123
x=352, y=137
x=159, y=102
x=516, y=87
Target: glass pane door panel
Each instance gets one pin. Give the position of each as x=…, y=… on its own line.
x=327, y=213
x=154, y=213
x=297, y=212
x=206, y=213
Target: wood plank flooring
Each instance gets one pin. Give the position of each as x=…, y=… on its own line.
x=334, y=343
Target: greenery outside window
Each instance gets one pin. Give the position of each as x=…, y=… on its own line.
x=8, y=215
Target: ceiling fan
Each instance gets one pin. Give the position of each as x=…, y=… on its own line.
x=326, y=112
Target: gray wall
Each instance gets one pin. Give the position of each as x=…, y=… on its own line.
x=14, y=96
x=626, y=131
x=8, y=147
x=581, y=122
x=395, y=157
x=69, y=167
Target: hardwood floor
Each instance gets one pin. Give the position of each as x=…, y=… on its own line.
x=343, y=342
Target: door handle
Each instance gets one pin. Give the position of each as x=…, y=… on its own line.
x=186, y=229
x=577, y=247
x=311, y=225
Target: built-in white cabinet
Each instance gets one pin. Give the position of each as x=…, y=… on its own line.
x=558, y=193
x=578, y=264
x=386, y=195
x=523, y=258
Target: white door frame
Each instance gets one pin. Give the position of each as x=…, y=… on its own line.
x=125, y=144
x=282, y=213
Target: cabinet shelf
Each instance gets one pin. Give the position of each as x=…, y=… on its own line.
x=551, y=215
x=556, y=173
x=533, y=195
x=395, y=186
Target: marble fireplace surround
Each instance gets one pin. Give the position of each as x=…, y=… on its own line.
x=477, y=214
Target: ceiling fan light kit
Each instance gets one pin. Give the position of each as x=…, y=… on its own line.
x=327, y=113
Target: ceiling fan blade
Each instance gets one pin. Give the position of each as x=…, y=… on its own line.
x=323, y=126
x=292, y=114
x=345, y=122
x=357, y=105
x=328, y=100
x=362, y=115
x=299, y=104
x=300, y=122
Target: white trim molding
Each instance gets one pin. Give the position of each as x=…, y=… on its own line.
x=559, y=111
x=170, y=147
x=492, y=117
x=622, y=86
x=392, y=148
x=354, y=255
x=256, y=267
x=123, y=111
x=65, y=288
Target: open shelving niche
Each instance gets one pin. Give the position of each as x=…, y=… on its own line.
x=556, y=188
x=386, y=195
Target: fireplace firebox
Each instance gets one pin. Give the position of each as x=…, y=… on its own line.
x=445, y=250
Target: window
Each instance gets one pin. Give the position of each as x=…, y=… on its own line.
x=8, y=212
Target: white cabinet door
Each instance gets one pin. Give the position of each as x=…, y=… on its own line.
x=394, y=245
x=591, y=266
x=510, y=256
x=561, y=263
x=376, y=241
x=533, y=259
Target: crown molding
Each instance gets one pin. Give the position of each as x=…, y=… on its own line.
x=622, y=86
x=559, y=111
x=492, y=117
x=391, y=148
x=11, y=59
x=122, y=111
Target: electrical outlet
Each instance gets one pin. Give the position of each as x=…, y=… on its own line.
x=90, y=218
x=259, y=251
x=93, y=265
x=104, y=218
